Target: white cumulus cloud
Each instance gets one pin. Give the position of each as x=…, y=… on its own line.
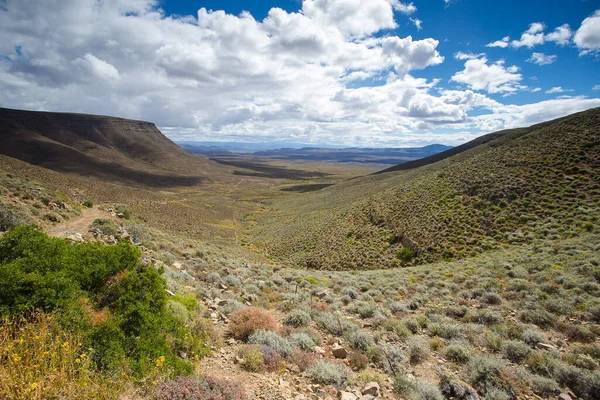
x=492, y=78
x=587, y=37
x=542, y=59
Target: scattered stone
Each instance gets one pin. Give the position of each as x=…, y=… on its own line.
x=169, y=292
x=322, y=294
x=339, y=352
x=371, y=388
x=546, y=346
x=120, y=215
x=76, y=237
x=367, y=397
x=220, y=302
x=564, y=396
x=176, y=265
x=223, y=287
x=319, y=350
x=346, y=396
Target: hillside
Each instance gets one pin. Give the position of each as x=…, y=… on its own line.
x=108, y=148
x=521, y=186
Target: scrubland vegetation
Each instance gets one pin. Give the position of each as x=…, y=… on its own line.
x=475, y=277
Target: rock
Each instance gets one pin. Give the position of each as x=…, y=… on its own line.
x=346, y=396
x=120, y=215
x=220, y=302
x=546, y=346
x=224, y=287
x=564, y=396
x=339, y=352
x=319, y=350
x=76, y=237
x=367, y=397
x=457, y=389
x=169, y=292
x=176, y=265
x=231, y=341
x=371, y=388
x=322, y=294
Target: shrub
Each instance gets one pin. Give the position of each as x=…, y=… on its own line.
x=485, y=373
x=445, y=330
x=418, y=350
x=541, y=318
x=233, y=280
x=457, y=311
x=494, y=341
x=458, y=353
x=392, y=358
x=231, y=306
x=516, y=351
x=297, y=318
x=253, y=359
x=492, y=298
x=487, y=317
x=328, y=373
x=398, y=307
x=358, y=361
x=497, y=394
x=366, y=310
x=304, y=360
x=190, y=388
x=106, y=226
x=532, y=337
x=302, y=340
x=245, y=321
x=426, y=391
x=124, y=210
x=402, y=384
x=360, y=340
x=272, y=340
x=137, y=232
x=335, y=324
x=178, y=311
x=272, y=360
x=11, y=217
x=544, y=386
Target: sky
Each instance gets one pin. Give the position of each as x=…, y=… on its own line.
x=367, y=73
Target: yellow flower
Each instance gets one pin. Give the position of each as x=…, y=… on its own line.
x=154, y=383
x=83, y=355
x=78, y=361
x=21, y=341
x=33, y=386
x=16, y=357
x=66, y=344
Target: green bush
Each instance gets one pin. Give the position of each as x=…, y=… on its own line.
x=516, y=351
x=458, y=353
x=73, y=279
x=11, y=217
x=271, y=339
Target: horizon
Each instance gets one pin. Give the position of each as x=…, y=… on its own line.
x=320, y=73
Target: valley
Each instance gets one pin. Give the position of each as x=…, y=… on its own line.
x=471, y=273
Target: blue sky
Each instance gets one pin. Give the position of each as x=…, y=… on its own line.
x=347, y=72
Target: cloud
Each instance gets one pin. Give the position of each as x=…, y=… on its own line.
x=596, y=87
x=504, y=43
x=331, y=72
x=561, y=35
x=542, y=59
x=467, y=56
x=355, y=18
x=418, y=23
x=492, y=78
x=535, y=90
x=587, y=37
x=535, y=36
x=531, y=37
x=557, y=89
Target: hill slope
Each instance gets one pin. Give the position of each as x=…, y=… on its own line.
x=122, y=150
x=523, y=184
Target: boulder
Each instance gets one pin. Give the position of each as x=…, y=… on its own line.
x=339, y=352
x=371, y=388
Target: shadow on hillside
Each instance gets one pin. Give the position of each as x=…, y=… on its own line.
x=306, y=188
x=267, y=171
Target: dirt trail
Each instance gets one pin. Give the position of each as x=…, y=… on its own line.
x=79, y=224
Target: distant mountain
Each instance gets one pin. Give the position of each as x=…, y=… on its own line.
x=345, y=155
x=108, y=148
x=511, y=187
